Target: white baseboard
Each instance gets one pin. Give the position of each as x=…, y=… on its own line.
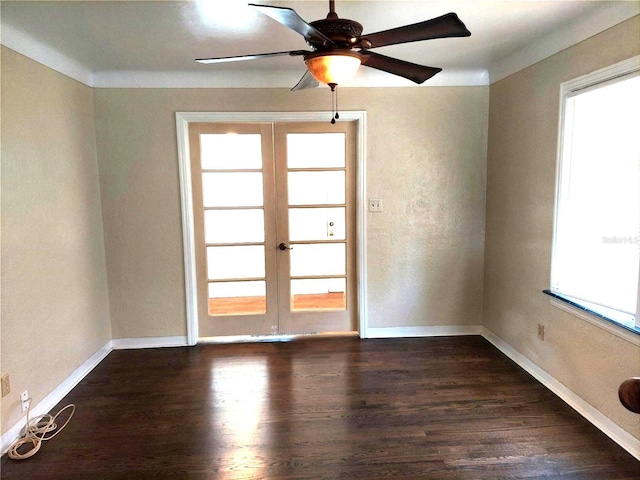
x=148, y=342
x=627, y=441
x=55, y=396
x=422, y=331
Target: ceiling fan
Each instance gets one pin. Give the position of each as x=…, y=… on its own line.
x=338, y=47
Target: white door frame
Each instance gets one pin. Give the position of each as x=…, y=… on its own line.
x=188, y=233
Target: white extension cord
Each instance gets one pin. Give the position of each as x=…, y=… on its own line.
x=35, y=432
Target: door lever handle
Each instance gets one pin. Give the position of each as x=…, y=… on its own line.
x=284, y=246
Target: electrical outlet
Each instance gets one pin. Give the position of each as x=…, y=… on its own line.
x=541, y=331
x=375, y=205
x=24, y=398
x=6, y=386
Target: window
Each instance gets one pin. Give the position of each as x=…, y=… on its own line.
x=596, y=248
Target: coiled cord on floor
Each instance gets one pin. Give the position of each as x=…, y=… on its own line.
x=35, y=432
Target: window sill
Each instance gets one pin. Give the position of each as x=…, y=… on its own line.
x=630, y=333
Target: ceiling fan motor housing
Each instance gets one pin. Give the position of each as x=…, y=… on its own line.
x=342, y=31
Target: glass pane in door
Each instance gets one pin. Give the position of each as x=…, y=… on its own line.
x=235, y=262
x=318, y=259
x=234, y=226
x=316, y=224
x=228, y=151
x=319, y=294
x=317, y=188
x=237, y=298
x=232, y=189
x=316, y=150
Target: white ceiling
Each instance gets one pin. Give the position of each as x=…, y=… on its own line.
x=153, y=43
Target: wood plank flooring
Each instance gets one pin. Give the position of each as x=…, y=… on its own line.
x=323, y=408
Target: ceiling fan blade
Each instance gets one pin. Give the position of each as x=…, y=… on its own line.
x=412, y=71
x=240, y=58
x=448, y=25
x=307, y=81
x=289, y=18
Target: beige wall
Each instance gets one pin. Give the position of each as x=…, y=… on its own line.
x=426, y=160
x=55, y=311
x=523, y=130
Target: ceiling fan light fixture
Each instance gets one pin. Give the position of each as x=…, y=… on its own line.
x=333, y=67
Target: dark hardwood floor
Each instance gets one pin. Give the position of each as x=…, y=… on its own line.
x=323, y=408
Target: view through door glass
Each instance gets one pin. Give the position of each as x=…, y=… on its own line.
x=233, y=188
x=316, y=195
x=267, y=270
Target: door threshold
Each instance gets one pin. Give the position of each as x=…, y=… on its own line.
x=273, y=338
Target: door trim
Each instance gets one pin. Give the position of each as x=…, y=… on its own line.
x=183, y=119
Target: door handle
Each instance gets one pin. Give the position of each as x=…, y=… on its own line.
x=284, y=246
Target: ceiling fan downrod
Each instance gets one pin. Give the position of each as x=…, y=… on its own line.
x=332, y=9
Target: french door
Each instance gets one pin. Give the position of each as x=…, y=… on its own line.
x=274, y=227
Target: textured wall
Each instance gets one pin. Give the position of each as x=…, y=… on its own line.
x=55, y=311
x=426, y=160
x=523, y=131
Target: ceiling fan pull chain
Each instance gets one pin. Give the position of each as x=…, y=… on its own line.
x=333, y=102
x=333, y=106
x=336, y=116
